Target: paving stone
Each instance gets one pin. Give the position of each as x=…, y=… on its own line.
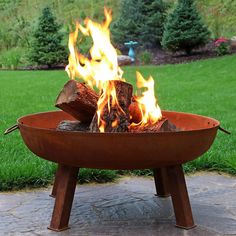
x=127, y=207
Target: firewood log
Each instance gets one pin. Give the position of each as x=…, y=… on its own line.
x=124, y=95
x=78, y=100
x=68, y=125
x=162, y=125
x=136, y=117
x=135, y=111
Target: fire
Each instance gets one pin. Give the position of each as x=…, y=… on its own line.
x=151, y=112
x=103, y=65
x=102, y=68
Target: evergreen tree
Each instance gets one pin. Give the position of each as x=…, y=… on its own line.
x=46, y=47
x=140, y=20
x=128, y=25
x=154, y=12
x=184, y=29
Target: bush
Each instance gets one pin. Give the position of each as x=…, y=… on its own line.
x=46, y=46
x=184, y=29
x=222, y=46
x=128, y=25
x=145, y=57
x=155, y=13
x=141, y=21
x=11, y=59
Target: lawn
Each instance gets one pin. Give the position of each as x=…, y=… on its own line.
x=204, y=87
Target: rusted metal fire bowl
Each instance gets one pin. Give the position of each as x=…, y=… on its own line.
x=164, y=152
x=118, y=150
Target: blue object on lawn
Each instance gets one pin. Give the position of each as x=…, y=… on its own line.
x=131, y=45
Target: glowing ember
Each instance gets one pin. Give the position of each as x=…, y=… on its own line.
x=103, y=67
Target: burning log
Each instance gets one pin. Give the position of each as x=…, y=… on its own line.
x=135, y=111
x=68, y=125
x=78, y=100
x=118, y=118
x=161, y=126
x=136, y=117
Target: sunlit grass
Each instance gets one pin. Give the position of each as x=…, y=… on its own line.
x=204, y=87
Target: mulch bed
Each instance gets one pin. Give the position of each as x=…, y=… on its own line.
x=161, y=57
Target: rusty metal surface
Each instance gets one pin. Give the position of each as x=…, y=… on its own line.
x=161, y=182
x=118, y=150
x=64, y=198
x=180, y=198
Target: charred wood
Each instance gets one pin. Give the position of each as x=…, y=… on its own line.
x=164, y=125
x=68, y=125
x=116, y=120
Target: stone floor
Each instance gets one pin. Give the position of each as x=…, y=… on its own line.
x=127, y=207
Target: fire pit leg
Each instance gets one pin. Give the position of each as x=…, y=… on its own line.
x=56, y=180
x=180, y=199
x=161, y=182
x=64, y=197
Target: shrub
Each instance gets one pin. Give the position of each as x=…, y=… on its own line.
x=46, y=46
x=184, y=29
x=141, y=21
x=11, y=59
x=155, y=13
x=128, y=25
x=222, y=46
x=145, y=57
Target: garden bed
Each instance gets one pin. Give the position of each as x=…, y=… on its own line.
x=162, y=57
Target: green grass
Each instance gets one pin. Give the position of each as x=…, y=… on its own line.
x=204, y=87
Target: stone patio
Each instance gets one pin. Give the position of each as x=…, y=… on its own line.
x=127, y=207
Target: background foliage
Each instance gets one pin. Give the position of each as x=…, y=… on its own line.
x=184, y=28
x=46, y=47
x=16, y=32
x=141, y=21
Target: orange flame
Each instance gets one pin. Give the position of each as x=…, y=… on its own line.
x=151, y=112
x=102, y=68
x=103, y=65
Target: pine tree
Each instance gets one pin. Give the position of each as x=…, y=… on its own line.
x=46, y=47
x=128, y=25
x=184, y=29
x=140, y=20
x=154, y=12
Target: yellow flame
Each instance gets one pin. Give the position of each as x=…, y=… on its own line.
x=151, y=112
x=102, y=67
x=108, y=98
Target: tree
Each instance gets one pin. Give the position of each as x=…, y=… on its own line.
x=154, y=12
x=140, y=20
x=46, y=47
x=128, y=25
x=184, y=29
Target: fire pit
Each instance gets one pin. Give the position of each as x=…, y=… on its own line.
x=114, y=129
x=118, y=150
x=164, y=152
